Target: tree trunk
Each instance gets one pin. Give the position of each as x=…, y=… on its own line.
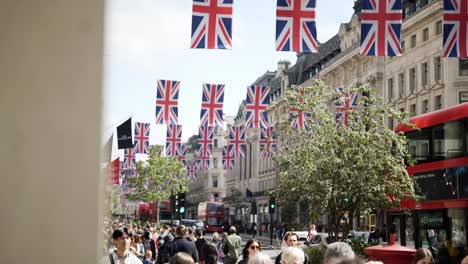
x=157, y=212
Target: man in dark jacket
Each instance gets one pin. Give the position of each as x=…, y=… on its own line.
x=291, y=240
x=149, y=244
x=180, y=244
x=200, y=241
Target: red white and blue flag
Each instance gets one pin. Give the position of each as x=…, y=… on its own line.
x=267, y=142
x=129, y=159
x=212, y=24
x=455, y=28
x=192, y=170
x=173, y=140
x=299, y=117
x=343, y=107
x=237, y=141
x=203, y=163
x=205, y=141
x=228, y=158
x=182, y=151
x=167, y=97
x=295, y=26
x=257, y=103
x=212, y=105
x=142, y=133
x=381, y=27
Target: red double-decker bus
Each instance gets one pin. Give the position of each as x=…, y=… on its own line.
x=438, y=219
x=149, y=211
x=212, y=216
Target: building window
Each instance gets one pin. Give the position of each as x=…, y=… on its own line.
x=390, y=123
x=424, y=74
x=402, y=110
x=390, y=89
x=438, y=68
x=413, y=41
x=215, y=163
x=425, y=106
x=412, y=77
x=463, y=97
x=215, y=143
x=412, y=110
x=425, y=34
x=403, y=45
x=438, y=102
x=401, y=85
x=438, y=28
x=215, y=181
x=463, y=67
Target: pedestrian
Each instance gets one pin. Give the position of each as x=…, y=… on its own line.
x=254, y=230
x=290, y=238
x=251, y=248
x=190, y=236
x=337, y=252
x=292, y=255
x=180, y=244
x=121, y=238
x=260, y=258
x=423, y=256
x=148, y=257
x=149, y=243
x=209, y=255
x=182, y=258
x=231, y=246
x=219, y=246
x=200, y=241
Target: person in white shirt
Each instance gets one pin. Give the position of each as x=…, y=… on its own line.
x=121, y=237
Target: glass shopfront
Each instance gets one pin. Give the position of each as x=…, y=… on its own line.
x=442, y=231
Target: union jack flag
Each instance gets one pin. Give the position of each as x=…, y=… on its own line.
x=237, y=141
x=173, y=140
x=205, y=141
x=192, y=171
x=299, y=117
x=142, y=132
x=167, y=97
x=228, y=158
x=381, y=27
x=203, y=163
x=212, y=105
x=129, y=159
x=295, y=26
x=182, y=151
x=256, y=103
x=343, y=108
x=267, y=142
x=212, y=24
x=455, y=28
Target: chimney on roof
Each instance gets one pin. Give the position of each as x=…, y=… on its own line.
x=283, y=66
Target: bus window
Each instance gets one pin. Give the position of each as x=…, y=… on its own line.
x=214, y=221
x=419, y=145
x=448, y=141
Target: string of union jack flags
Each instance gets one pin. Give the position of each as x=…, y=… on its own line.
x=381, y=26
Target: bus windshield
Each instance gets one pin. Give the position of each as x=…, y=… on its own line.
x=213, y=221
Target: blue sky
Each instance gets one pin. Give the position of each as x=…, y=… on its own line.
x=147, y=40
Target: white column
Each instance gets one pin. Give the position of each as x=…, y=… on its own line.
x=50, y=103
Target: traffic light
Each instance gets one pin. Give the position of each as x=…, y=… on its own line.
x=181, y=203
x=271, y=205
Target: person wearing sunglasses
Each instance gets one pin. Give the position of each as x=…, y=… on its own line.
x=251, y=248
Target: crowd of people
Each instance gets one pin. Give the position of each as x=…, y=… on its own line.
x=132, y=244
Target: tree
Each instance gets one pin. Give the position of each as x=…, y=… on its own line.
x=235, y=199
x=192, y=143
x=159, y=177
x=337, y=168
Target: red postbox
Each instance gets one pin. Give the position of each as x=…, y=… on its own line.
x=391, y=254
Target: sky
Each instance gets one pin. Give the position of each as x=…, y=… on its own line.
x=148, y=40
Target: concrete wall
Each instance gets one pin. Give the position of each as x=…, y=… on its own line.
x=50, y=107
